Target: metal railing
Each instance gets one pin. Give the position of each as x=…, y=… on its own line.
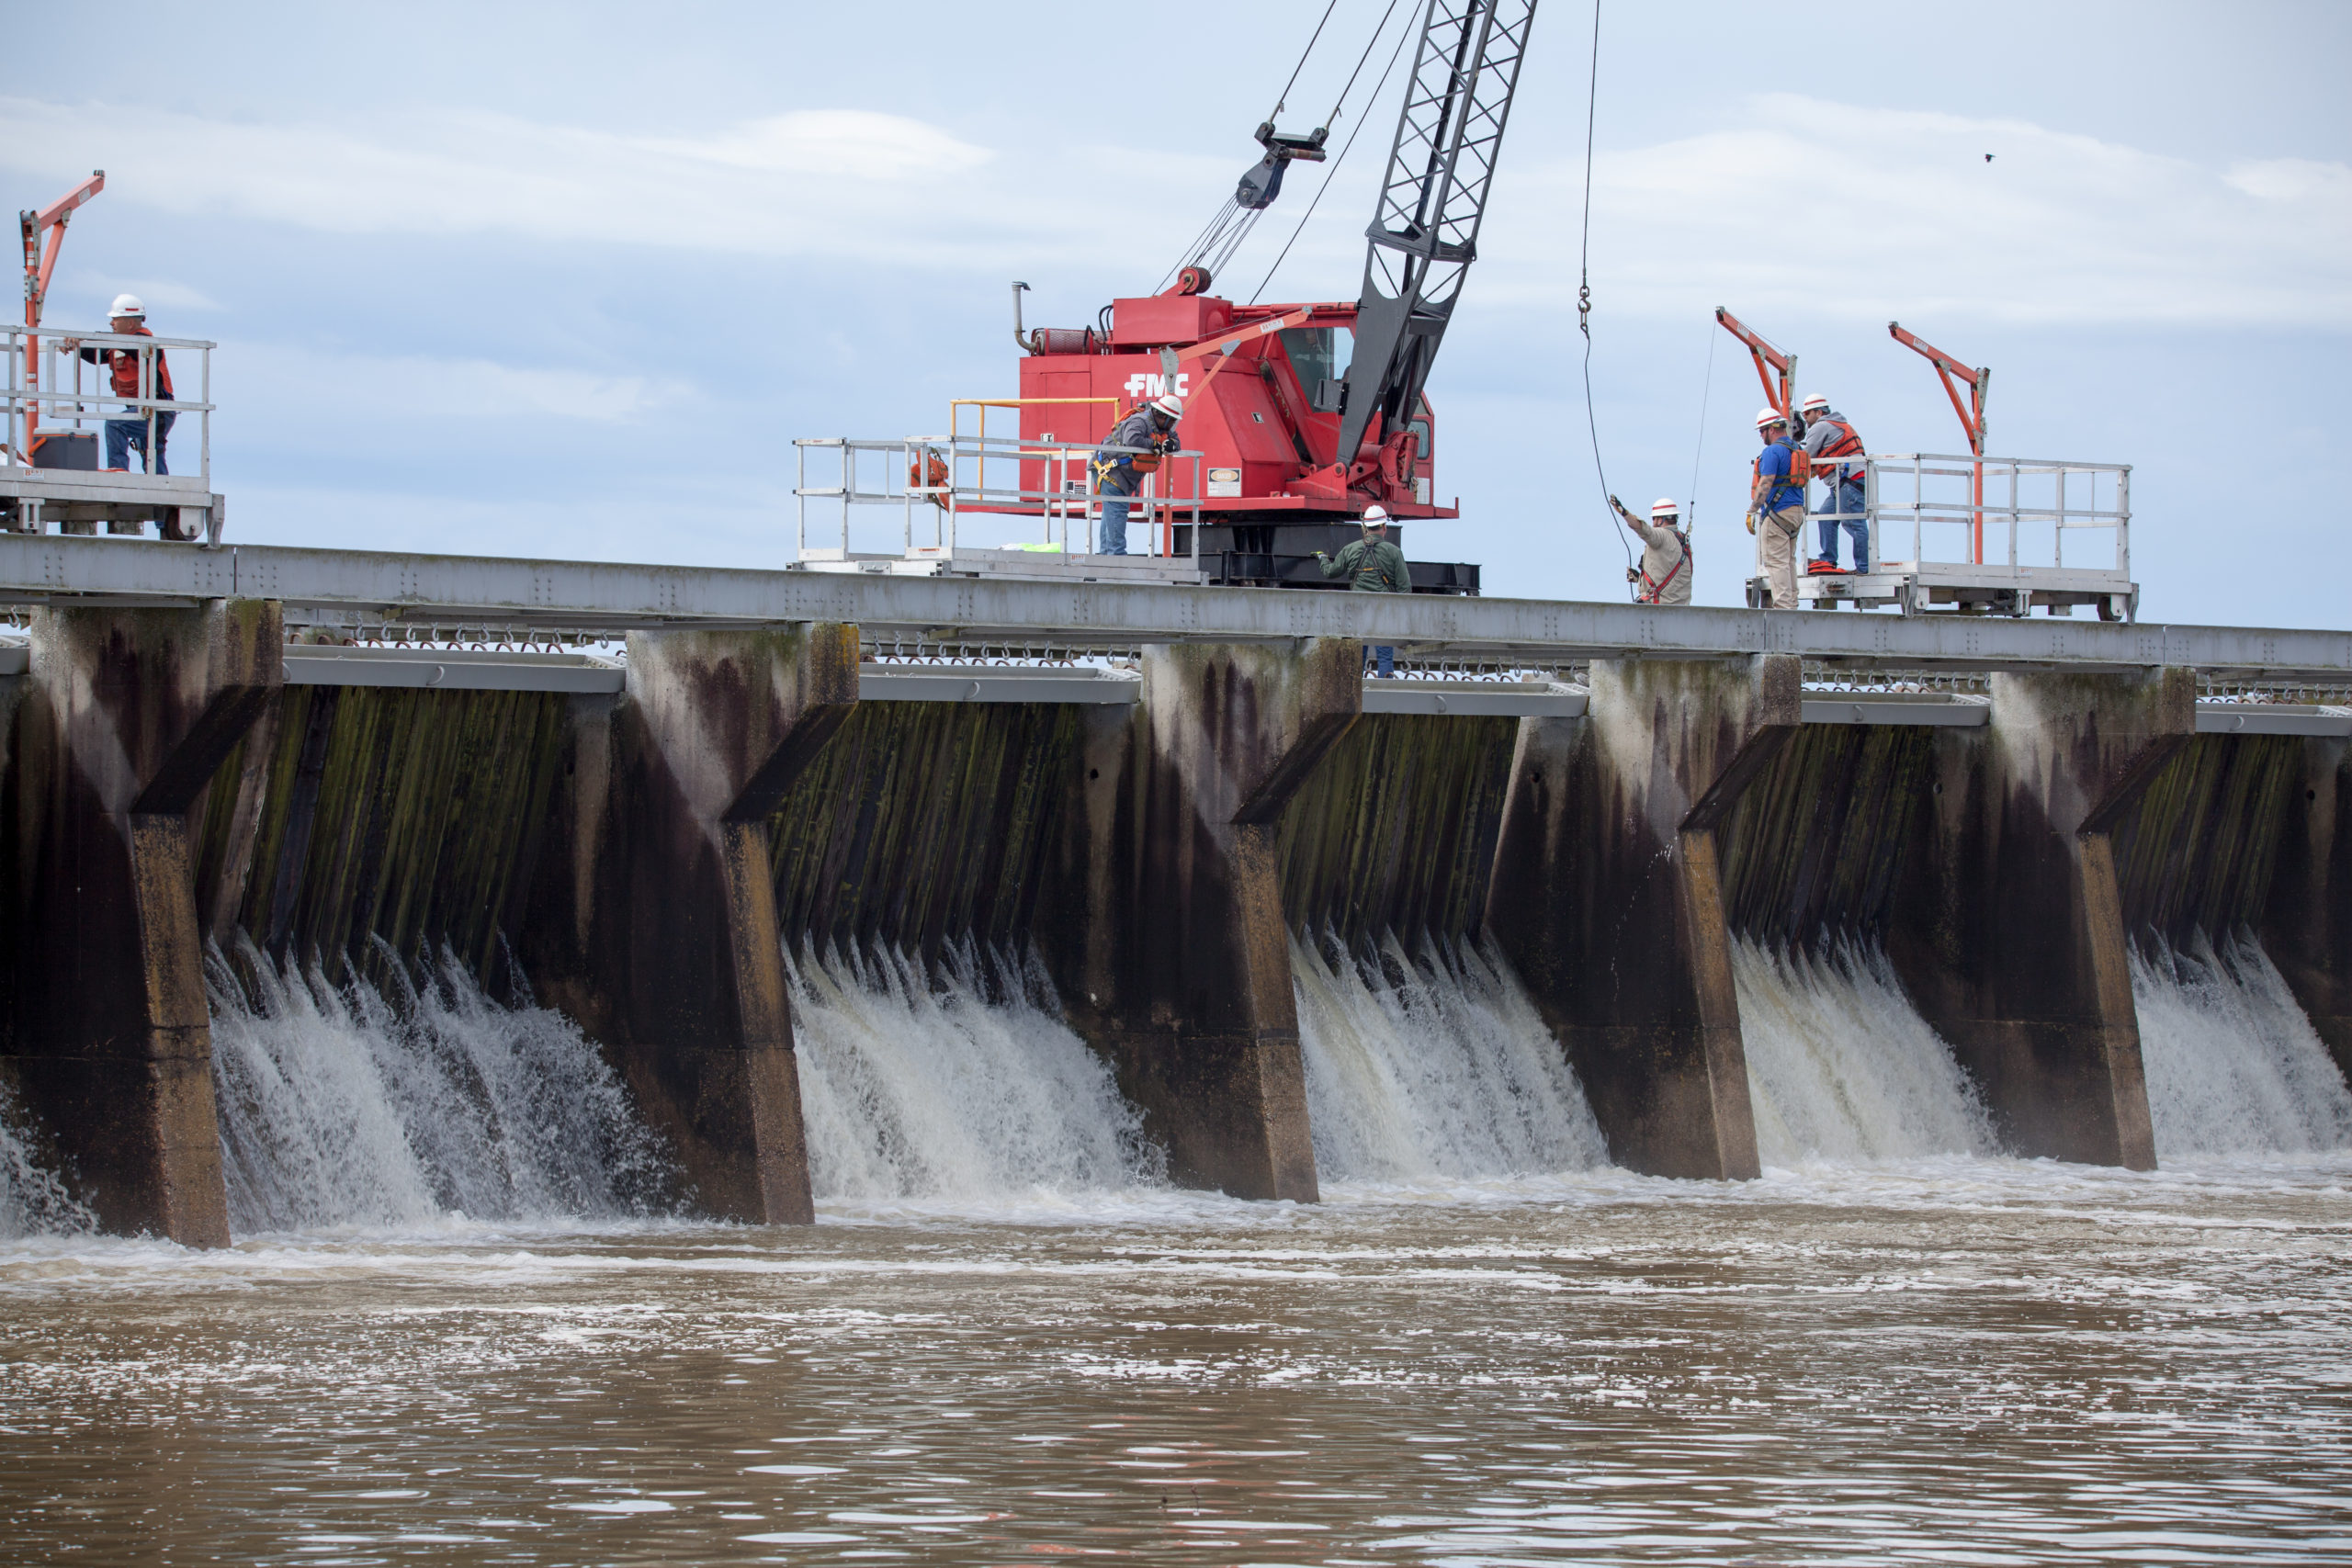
x=943, y=484
x=46, y=394
x=2037, y=502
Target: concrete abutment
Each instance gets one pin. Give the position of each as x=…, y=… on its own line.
x=1165, y=926
x=656, y=927
x=127, y=715
x=1607, y=896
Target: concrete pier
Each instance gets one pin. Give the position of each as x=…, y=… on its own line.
x=1608, y=897
x=2306, y=921
x=127, y=715
x=1159, y=816
x=680, y=972
x=2011, y=936
x=1167, y=933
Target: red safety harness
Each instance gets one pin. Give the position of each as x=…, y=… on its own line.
x=1652, y=593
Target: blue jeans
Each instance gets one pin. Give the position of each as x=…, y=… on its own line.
x=122, y=435
x=1384, y=660
x=1114, y=540
x=1844, y=496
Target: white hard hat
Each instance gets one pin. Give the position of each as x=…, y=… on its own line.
x=1770, y=416
x=126, y=305
x=1375, y=515
x=1813, y=401
x=1667, y=507
x=1169, y=404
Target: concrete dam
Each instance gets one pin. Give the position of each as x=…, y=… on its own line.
x=815, y=885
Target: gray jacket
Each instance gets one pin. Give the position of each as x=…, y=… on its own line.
x=1115, y=471
x=1819, y=433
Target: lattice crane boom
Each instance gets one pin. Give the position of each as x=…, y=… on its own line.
x=1424, y=231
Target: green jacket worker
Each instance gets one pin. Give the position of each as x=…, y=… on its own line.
x=1372, y=565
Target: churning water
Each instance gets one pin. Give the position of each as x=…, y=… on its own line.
x=33, y=1201
x=2232, y=1064
x=1433, y=1067
x=1873, y=1357
x=1840, y=1065
x=342, y=1106
x=964, y=1085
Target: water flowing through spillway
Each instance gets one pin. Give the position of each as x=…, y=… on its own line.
x=959, y=1086
x=1840, y=1065
x=1435, y=1068
x=342, y=1106
x=33, y=1201
x=2232, y=1064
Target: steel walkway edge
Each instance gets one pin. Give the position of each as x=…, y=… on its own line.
x=353, y=587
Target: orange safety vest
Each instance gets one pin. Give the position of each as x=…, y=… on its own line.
x=122, y=364
x=1845, y=444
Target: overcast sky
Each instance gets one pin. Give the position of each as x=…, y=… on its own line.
x=568, y=279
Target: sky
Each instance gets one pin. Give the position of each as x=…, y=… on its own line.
x=544, y=280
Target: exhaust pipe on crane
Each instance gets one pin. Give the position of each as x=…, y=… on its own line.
x=1051, y=339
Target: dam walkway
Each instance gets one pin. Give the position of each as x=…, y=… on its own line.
x=345, y=758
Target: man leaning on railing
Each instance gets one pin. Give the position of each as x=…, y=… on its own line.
x=1133, y=449
x=128, y=318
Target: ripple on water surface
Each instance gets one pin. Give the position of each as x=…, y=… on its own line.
x=2037, y=1362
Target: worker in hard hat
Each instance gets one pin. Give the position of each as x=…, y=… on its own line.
x=1135, y=446
x=1372, y=565
x=1829, y=440
x=128, y=318
x=1776, y=509
x=1664, y=576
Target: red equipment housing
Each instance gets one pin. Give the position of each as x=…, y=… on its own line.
x=1266, y=415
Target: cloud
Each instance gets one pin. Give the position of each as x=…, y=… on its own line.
x=816, y=183
x=1833, y=210
x=415, y=386
x=153, y=292
x=1803, y=207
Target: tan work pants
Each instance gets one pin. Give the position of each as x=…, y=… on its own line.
x=1776, y=552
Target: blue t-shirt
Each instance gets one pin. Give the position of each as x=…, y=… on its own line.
x=1774, y=462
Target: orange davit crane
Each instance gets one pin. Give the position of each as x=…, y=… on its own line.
x=44, y=235
x=1971, y=420
x=1768, y=360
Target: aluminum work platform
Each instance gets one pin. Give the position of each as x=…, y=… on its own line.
x=52, y=440
x=1975, y=536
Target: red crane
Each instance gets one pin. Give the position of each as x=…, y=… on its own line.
x=1309, y=412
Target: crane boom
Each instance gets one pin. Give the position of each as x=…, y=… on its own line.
x=1424, y=231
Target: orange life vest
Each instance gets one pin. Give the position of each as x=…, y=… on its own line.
x=122, y=365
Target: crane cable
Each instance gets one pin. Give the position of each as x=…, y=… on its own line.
x=1584, y=303
x=1706, y=389
x=1283, y=102
x=1332, y=167
x=1369, y=45
x=1223, y=233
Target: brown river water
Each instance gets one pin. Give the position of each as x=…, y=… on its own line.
x=1983, y=1361
x=1008, y=1342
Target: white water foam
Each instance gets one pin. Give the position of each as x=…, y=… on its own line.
x=340, y=1106
x=1841, y=1068
x=33, y=1200
x=964, y=1085
x=1434, y=1068
x=2232, y=1064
